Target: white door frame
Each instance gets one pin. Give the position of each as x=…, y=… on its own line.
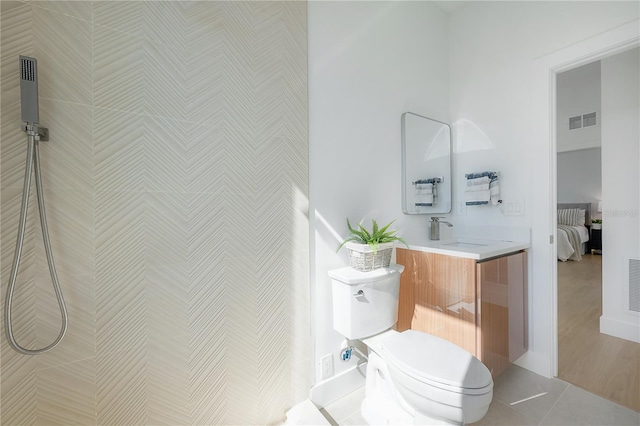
x=543, y=333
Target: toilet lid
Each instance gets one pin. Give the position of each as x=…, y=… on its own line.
x=432, y=359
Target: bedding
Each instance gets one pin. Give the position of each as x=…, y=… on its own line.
x=572, y=235
x=584, y=234
x=570, y=242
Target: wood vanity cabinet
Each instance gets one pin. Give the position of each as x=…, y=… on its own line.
x=479, y=305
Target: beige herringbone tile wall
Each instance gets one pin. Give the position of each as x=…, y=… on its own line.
x=176, y=187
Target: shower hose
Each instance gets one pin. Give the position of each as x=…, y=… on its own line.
x=33, y=162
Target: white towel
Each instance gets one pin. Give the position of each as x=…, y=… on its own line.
x=478, y=184
x=470, y=196
x=424, y=200
x=424, y=188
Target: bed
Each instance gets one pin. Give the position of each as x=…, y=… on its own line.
x=572, y=234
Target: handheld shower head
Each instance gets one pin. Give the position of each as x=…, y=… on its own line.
x=29, y=89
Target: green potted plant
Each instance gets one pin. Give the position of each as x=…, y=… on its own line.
x=596, y=224
x=370, y=249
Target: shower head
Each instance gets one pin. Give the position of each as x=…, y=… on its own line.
x=29, y=89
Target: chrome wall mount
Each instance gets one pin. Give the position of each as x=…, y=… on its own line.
x=34, y=129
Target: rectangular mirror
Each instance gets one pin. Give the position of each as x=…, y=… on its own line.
x=426, y=165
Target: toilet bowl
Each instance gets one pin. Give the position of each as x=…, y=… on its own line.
x=412, y=377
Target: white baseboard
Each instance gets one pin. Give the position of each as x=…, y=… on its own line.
x=539, y=363
x=331, y=390
x=617, y=328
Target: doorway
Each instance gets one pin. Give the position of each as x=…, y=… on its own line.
x=586, y=357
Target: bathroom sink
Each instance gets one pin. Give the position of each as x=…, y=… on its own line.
x=463, y=244
x=469, y=247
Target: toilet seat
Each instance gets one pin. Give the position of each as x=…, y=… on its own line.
x=436, y=362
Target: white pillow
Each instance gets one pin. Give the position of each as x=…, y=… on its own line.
x=570, y=217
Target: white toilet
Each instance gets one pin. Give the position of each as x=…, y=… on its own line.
x=412, y=377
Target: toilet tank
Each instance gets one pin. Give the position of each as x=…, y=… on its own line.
x=365, y=303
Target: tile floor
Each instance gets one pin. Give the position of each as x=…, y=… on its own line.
x=563, y=404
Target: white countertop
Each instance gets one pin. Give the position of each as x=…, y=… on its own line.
x=467, y=247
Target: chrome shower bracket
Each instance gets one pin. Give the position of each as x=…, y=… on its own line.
x=42, y=133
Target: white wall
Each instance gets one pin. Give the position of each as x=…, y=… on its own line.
x=580, y=178
x=578, y=93
x=621, y=183
x=368, y=63
x=495, y=47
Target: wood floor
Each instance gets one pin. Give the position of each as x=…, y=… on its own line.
x=604, y=365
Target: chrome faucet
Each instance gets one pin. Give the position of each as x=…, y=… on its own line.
x=435, y=227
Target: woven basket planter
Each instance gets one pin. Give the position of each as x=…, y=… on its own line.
x=362, y=258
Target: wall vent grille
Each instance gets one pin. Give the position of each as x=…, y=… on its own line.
x=634, y=285
x=589, y=119
x=584, y=120
x=575, y=122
